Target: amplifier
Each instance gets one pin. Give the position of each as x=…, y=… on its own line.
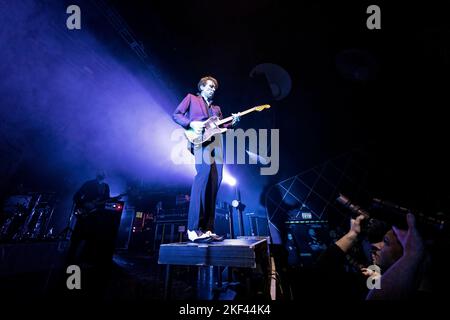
x=171, y=215
x=114, y=206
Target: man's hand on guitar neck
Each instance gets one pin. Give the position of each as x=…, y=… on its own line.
x=236, y=119
x=197, y=126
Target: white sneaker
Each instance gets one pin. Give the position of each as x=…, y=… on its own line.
x=204, y=235
x=195, y=237
x=214, y=236
x=192, y=235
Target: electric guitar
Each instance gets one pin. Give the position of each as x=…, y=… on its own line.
x=211, y=126
x=89, y=207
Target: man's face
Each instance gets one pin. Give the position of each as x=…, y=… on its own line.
x=387, y=252
x=208, y=89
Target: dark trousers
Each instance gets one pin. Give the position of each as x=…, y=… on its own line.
x=93, y=239
x=91, y=248
x=204, y=190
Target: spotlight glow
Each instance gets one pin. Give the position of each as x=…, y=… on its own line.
x=228, y=178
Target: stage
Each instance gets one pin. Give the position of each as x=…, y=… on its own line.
x=230, y=253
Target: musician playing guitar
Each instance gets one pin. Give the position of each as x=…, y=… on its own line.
x=190, y=114
x=93, y=232
x=92, y=195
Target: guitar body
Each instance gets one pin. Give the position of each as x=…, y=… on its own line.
x=87, y=208
x=90, y=207
x=211, y=129
x=212, y=126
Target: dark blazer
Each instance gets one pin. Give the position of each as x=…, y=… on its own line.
x=193, y=108
x=90, y=191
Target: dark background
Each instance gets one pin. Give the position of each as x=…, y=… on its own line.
x=394, y=110
x=380, y=91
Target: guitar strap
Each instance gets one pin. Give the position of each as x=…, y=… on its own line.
x=210, y=113
x=208, y=107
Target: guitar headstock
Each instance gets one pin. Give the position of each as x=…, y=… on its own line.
x=262, y=107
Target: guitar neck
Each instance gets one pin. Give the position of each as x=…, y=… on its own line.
x=116, y=198
x=243, y=113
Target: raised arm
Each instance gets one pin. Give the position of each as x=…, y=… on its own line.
x=401, y=280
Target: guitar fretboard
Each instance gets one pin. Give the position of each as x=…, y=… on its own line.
x=243, y=113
